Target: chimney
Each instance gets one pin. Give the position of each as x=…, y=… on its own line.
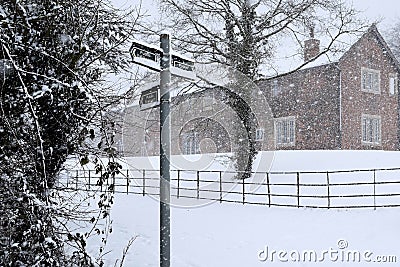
x=311, y=47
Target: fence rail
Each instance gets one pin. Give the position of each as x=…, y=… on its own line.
x=373, y=188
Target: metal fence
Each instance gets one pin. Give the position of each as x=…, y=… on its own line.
x=373, y=188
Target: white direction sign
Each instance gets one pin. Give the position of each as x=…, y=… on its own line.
x=146, y=55
x=150, y=56
x=149, y=98
x=182, y=66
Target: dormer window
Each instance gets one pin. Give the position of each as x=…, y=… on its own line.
x=275, y=90
x=370, y=81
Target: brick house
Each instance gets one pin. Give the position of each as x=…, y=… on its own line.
x=201, y=122
x=348, y=104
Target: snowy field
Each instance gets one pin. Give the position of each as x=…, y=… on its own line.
x=228, y=234
x=233, y=235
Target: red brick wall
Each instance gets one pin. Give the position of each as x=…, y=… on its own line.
x=312, y=96
x=216, y=125
x=367, y=53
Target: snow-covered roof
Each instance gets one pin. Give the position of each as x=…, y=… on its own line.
x=374, y=30
x=343, y=45
x=290, y=57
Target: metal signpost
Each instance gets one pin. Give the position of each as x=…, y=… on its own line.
x=166, y=62
x=165, y=151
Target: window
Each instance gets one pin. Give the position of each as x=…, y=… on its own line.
x=259, y=134
x=208, y=102
x=370, y=80
x=371, y=129
x=120, y=147
x=285, y=131
x=393, y=84
x=275, y=88
x=191, y=143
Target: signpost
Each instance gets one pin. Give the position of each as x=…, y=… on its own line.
x=146, y=55
x=182, y=66
x=149, y=98
x=166, y=62
x=165, y=151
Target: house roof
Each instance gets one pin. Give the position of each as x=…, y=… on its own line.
x=334, y=58
x=217, y=75
x=374, y=31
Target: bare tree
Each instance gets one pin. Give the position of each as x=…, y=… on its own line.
x=393, y=39
x=245, y=35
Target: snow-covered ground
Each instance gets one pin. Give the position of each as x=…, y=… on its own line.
x=226, y=234
x=233, y=235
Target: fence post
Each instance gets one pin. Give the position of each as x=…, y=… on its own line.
x=144, y=182
x=374, y=189
x=179, y=181
x=298, y=189
x=198, y=184
x=127, y=182
x=329, y=193
x=268, y=191
x=89, y=180
x=220, y=187
x=243, y=189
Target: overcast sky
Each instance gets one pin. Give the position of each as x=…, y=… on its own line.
x=387, y=11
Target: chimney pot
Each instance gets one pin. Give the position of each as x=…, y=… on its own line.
x=311, y=49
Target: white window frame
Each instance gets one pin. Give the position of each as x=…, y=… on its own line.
x=285, y=131
x=371, y=129
x=191, y=144
x=260, y=134
x=370, y=81
x=275, y=89
x=393, y=84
